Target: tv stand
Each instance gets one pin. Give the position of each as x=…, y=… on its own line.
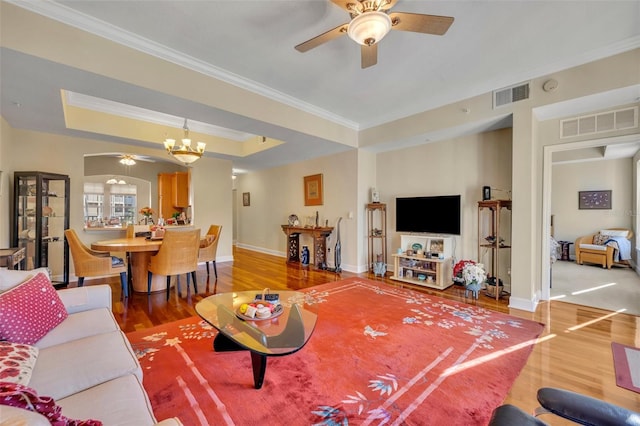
x=423, y=271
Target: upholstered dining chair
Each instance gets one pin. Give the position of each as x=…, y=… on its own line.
x=178, y=254
x=89, y=263
x=138, y=231
x=209, y=247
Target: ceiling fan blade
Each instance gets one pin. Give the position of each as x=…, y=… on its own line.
x=343, y=4
x=322, y=38
x=369, y=55
x=427, y=24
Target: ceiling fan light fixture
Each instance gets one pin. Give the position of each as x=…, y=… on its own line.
x=369, y=28
x=127, y=160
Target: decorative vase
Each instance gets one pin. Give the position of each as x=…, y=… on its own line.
x=305, y=256
x=473, y=287
x=379, y=268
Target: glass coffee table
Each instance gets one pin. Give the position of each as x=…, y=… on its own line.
x=286, y=331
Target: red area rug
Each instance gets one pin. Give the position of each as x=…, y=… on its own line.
x=379, y=355
x=626, y=362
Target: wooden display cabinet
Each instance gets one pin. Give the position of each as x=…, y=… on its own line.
x=377, y=232
x=494, y=240
x=40, y=216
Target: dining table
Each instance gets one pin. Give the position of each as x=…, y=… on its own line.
x=140, y=249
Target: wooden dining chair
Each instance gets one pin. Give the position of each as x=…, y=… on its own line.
x=178, y=254
x=90, y=263
x=209, y=247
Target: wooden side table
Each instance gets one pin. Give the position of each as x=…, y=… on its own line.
x=319, y=235
x=564, y=246
x=12, y=257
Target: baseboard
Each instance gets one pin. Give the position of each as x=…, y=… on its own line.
x=261, y=250
x=344, y=267
x=523, y=304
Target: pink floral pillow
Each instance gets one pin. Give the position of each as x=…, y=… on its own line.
x=16, y=362
x=30, y=310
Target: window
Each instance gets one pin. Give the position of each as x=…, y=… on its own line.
x=93, y=201
x=93, y=206
x=123, y=207
x=109, y=204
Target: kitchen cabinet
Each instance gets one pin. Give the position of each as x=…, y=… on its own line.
x=173, y=193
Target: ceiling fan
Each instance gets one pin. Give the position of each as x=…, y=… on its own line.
x=371, y=21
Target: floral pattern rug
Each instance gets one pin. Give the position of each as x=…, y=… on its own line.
x=379, y=355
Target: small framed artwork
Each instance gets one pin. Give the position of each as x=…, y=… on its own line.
x=313, y=190
x=246, y=199
x=594, y=200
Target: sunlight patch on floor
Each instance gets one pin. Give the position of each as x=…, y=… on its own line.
x=560, y=296
x=587, y=290
x=493, y=355
x=602, y=318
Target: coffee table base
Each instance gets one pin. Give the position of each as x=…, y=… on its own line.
x=221, y=343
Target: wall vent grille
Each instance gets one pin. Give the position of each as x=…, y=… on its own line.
x=509, y=95
x=599, y=123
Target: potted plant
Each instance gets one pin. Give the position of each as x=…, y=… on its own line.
x=147, y=212
x=470, y=274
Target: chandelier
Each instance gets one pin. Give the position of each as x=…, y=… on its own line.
x=184, y=153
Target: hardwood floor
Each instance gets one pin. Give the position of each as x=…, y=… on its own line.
x=574, y=351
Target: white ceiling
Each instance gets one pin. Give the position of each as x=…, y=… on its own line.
x=491, y=44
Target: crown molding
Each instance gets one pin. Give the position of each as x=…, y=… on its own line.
x=129, y=111
x=84, y=22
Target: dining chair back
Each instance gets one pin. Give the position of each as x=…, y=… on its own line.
x=138, y=231
x=209, y=247
x=90, y=263
x=178, y=254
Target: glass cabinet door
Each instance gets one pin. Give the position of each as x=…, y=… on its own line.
x=41, y=216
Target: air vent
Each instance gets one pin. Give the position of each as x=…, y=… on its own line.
x=510, y=95
x=599, y=123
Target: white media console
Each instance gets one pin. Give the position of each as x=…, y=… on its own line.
x=424, y=260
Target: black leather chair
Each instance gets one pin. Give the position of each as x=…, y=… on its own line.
x=578, y=408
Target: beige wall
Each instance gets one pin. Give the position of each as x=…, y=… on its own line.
x=457, y=166
x=5, y=209
x=571, y=222
x=276, y=193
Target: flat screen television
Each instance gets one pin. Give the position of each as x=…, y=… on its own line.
x=437, y=215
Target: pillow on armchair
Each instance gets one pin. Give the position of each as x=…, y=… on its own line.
x=600, y=239
x=30, y=310
x=623, y=233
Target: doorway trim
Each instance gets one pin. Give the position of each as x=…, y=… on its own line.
x=547, y=166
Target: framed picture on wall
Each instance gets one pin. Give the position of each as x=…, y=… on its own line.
x=246, y=199
x=594, y=200
x=313, y=190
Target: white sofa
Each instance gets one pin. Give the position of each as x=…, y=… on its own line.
x=86, y=364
